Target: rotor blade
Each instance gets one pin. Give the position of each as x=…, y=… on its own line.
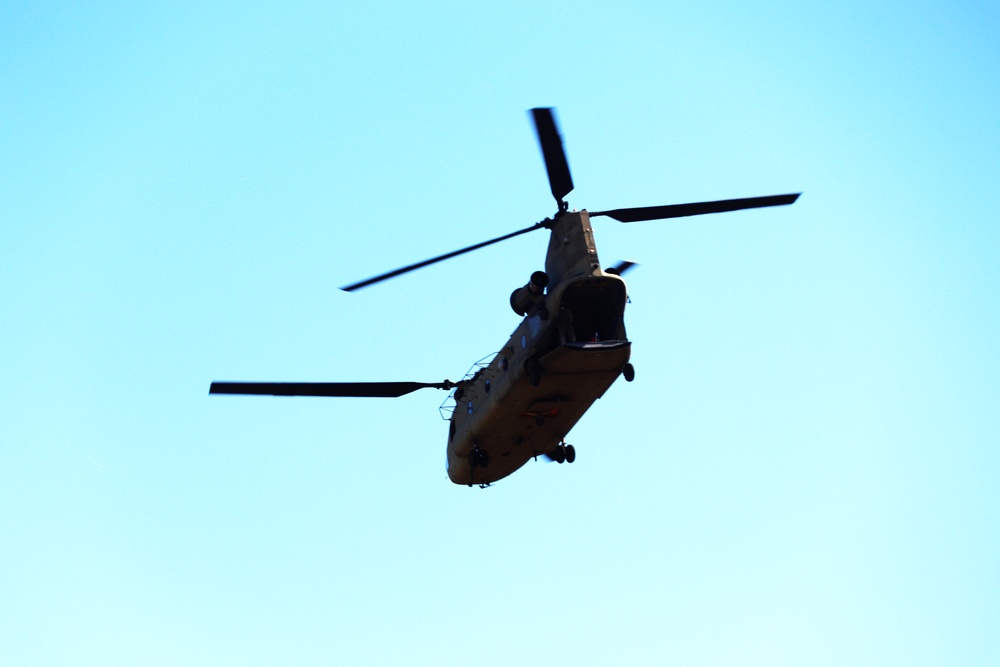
x=699, y=208
x=622, y=267
x=369, y=389
x=440, y=258
x=552, y=150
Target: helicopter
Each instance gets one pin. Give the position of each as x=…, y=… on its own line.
x=568, y=349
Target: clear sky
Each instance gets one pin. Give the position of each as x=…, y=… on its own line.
x=806, y=470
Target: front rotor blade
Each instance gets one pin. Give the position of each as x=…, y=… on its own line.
x=361, y=389
x=552, y=150
x=699, y=208
x=441, y=258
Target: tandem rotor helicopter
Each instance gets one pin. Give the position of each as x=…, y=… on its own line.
x=567, y=351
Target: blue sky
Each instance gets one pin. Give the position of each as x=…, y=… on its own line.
x=804, y=471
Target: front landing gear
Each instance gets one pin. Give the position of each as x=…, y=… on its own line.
x=479, y=458
x=563, y=453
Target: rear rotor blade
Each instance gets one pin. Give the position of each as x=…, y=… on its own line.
x=699, y=208
x=622, y=267
x=440, y=258
x=552, y=150
x=361, y=389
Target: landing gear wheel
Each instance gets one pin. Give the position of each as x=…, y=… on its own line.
x=558, y=454
x=479, y=458
x=534, y=371
x=570, y=453
x=628, y=370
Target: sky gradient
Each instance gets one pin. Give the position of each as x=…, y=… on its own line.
x=805, y=470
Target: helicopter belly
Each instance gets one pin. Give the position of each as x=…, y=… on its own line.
x=528, y=420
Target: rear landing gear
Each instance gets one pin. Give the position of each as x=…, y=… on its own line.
x=628, y=371
x=534, y=371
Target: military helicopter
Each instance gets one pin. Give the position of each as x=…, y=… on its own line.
x=567, y=351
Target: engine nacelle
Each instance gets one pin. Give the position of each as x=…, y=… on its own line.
x=523, y=299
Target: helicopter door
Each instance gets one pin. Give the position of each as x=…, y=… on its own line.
x=592, y=310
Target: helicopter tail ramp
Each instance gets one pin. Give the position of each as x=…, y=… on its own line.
x=594, y=357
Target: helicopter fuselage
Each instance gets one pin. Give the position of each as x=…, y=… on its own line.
x=564, y=355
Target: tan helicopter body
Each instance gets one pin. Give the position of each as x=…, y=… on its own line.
x=568, y=349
